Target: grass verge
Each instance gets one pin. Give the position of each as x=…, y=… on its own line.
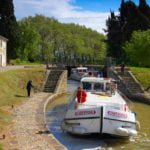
x=142, y=75
x=13, y=90
x=1, y=148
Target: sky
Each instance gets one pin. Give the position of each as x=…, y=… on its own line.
x=91, y=13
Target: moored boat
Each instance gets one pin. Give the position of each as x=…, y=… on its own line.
x=78, y=72
x=98, y=107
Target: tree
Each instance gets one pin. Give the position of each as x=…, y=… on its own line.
x=30, y=39
x=114, y=36
x=143, y=6
x=137, y=48
x=48, y=40
x=120, y=27
x=122, y=12
x=45, y=28
x=9, y=27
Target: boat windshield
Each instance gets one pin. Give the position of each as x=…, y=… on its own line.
x=98, y=86
x=87, y=86
x=108, y=88
x=93, y=86
x=82, y=70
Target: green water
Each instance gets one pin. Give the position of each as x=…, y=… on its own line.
x=142, y=140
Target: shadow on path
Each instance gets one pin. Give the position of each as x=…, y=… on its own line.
x=16, y=95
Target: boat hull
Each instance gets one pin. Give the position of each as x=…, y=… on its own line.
x=75, y=77
x=100, y=120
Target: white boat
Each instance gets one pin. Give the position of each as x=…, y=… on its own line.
x=105, y=111
x=78, y=73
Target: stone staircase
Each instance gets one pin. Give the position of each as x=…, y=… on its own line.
x=129, y=85
x=129, y=81
x=52, y=79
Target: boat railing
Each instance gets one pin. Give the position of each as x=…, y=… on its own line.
x=103, y=93
x=126, y=99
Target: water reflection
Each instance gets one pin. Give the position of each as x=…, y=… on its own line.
x=56, y=114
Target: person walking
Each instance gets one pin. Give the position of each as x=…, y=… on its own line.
x=122, y=67
x=28, y=87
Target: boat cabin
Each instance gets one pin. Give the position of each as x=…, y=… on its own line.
x=99, y=85
x=79, y=70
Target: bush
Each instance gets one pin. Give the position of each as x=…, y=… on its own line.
x=15, y=61
x=138, y=48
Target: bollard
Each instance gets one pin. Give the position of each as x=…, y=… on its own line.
x=12, y=106
x=3, y=136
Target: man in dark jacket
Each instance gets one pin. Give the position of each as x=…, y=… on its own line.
x=28, y=87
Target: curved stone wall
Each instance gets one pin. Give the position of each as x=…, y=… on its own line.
x=60, y=89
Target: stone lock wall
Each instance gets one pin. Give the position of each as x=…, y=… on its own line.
x=62, y=83
x=60, y=89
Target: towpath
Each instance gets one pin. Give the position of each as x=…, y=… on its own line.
x=2, y=69
x=28, y=131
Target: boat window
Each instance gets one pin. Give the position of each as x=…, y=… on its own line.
x=84, y=70
x=87, y=86
x=98, y=86
x=108, y=86
x=79, y=71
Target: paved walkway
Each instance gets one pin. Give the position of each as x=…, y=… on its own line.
x=28, y=129
x=14, y=67
x=2, y=69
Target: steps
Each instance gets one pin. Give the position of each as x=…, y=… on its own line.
x=130, y=83
x=52, y=80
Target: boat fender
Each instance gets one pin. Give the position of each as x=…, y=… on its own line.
x=126, y=132
x=137, y=125
x=135, y=113
x=132, y=132
x=122, y=131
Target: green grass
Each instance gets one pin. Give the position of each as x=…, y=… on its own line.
x=142, y=75
x=1, y=147
x=13, y=90
x=21, y=62
x=13, y=84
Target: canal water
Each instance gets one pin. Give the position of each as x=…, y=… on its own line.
x=56, y=112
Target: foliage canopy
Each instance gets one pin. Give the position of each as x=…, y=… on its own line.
x=46, y=40
x=120, y=27
x=9, y=27
x=138, y=48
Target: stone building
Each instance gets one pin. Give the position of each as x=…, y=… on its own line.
x=3, y=51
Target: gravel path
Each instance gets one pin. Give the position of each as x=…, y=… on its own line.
x=28, y=131
x=2, y=69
